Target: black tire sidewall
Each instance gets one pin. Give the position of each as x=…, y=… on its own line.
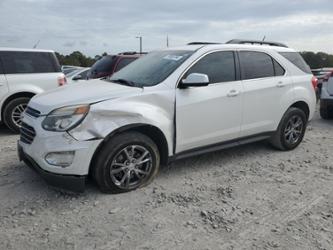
x=7, y=113
x=290, y=113
x=111, y=149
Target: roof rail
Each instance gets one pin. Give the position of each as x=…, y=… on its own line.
x=201, y=43
x=240, y=41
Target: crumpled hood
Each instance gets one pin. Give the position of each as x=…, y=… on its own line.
x=80, y=93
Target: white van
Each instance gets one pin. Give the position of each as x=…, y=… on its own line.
x=23, y=74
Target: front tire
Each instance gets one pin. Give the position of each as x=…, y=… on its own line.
x=12, y=113
x=127, y=161
x=291, y=130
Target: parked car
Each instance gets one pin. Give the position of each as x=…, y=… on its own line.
x=23, y=74
x=67, y=69
x=108, y=65
x=167, y=105
x=321, y=75
x=77, y=75
x=326, y=97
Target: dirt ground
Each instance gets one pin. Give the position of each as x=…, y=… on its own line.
x=250, y=197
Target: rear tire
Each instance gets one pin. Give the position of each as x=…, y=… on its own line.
x=325, y=112
x=117, y=169
x=12, y=112
x=290, y=131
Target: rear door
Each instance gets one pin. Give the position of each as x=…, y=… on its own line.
x=266, y=92
x=3, y=82
x=211, y=114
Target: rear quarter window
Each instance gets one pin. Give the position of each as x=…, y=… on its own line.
x=296, y=59
x=16, y=62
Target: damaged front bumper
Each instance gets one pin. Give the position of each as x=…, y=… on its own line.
x=36, y=154
x=75, y=183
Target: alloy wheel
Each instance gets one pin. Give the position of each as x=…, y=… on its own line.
x=17, y=114
x=294, y=129
x=131, y=166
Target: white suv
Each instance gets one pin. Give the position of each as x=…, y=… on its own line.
x=23, y=74
x=170, y=104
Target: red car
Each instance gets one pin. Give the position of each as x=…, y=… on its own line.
x=108, y=65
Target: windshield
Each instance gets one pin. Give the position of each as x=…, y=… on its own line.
x=104, y=64
x=151, y=69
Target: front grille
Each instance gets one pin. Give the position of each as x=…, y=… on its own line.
x=32, y=112
x=28, y=133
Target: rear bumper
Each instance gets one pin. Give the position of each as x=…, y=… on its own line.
x=68, y=182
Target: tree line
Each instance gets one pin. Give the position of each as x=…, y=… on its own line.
x=76, y=58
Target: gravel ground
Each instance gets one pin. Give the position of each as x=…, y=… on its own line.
x=250, y=197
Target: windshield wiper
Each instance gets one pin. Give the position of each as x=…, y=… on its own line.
x=124, y=82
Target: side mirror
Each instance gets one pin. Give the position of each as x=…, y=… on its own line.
x=77, y=77
x=195, y=80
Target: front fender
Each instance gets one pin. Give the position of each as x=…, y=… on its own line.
x=107, y=116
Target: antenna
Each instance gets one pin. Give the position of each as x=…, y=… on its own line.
x=264, y=38
x=35, y=46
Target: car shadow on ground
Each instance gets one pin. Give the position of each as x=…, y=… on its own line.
x=4, y=130
x=34, y=183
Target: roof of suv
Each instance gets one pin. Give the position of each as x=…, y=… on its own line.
x=25, y=50
x=232, y=46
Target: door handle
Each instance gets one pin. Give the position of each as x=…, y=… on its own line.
x=233, y=93
x=280, y=85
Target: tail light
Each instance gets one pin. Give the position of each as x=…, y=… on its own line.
x=62, y=80
x=314, y=82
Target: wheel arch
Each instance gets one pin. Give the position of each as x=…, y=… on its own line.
x=13, y=97
x=151, y=131
x=302, y=106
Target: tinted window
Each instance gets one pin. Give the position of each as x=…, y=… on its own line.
x=219, y=66
x=297, y=60
x=124, y=62
x=29, y=62
x=103, y=67
x=256, y=65
x=279, y=71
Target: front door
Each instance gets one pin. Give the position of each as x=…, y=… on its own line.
x=211, y=114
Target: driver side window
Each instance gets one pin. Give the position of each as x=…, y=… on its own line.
x=219, y=66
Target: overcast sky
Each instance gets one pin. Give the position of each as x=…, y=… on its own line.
x=96, y=26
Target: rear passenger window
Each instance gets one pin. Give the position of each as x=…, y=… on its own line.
x=256, y=65
x=28, y=62
x=279, y=71
x=219, y=66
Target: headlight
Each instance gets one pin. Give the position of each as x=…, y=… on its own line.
x=66, y=118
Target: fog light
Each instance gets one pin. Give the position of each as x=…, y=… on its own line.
x=60, y=159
